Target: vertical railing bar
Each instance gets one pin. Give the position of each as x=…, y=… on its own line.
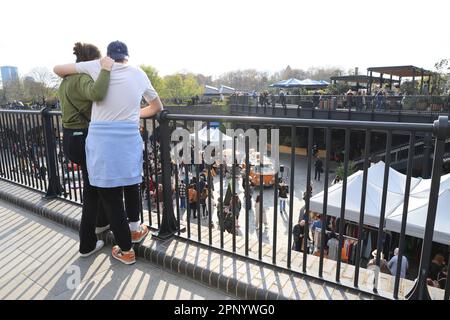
x=401, y=244
x=62, y=162
x=30, y=150
x=18, y=120
x=199, y=224
x=177, y=195
x=188, y=205
x=275, y=209
x=261, y=200
x=325, y=200
x=4, y=151
x=147, y=173
x=387, y=164
x=362, y=207
x=10, y=148
x=155, y=152
x=16, y=160
x=247, y=192
x=233, y=187
x=37, y=161
x=307, y=200
x=343, y=201
x=291, y=195
x=58, y=142
x=187, y=183
x=44, y=153
x=210, y=209
x=24, y=154
x=222, y=218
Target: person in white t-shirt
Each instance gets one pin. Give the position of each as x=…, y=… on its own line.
x=114, y=144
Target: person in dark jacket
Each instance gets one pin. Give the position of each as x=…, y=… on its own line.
x=283, y=194
x=298, y=235
x=318, y=165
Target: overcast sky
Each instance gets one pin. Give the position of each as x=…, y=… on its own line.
x=212, y=37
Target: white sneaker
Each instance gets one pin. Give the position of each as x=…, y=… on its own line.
x=98, y=246
x=99, y=230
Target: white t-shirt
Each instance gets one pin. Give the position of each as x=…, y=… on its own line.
x=127, y=86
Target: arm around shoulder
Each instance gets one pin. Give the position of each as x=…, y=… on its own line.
x=96, y=91
x=63, y=70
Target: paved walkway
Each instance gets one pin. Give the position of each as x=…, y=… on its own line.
x=40, y=260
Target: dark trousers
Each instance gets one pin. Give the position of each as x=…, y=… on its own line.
x=112, y=200
x=193, y=207
x=92, y=213
x=203, y=208
x=317, y=174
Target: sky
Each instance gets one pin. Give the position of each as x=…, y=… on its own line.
x=213, y=37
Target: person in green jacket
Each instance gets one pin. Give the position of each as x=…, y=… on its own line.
x=76, y=94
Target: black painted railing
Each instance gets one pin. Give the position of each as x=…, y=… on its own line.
x=344, y=103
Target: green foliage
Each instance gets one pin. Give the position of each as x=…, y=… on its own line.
x=340, y=169
x=154, y=77
x=180, y=86
x=338, y=88
x=410, y=88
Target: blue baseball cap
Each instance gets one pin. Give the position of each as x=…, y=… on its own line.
x=117, y=50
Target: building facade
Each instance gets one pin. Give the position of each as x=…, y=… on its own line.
x=9, y=73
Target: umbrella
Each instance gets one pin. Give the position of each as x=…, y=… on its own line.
x=290, y=83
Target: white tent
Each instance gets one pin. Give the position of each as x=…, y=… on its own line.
x=210, y=90
x=417, y=208
x=226, y=90
x=374, y=192
x=213, y=138
x=417, y=216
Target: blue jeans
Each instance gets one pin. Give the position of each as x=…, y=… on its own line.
x=282, y=204
x=183, y=202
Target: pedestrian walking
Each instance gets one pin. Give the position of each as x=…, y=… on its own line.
x=192, y=195
x=283, y=190
x=182, y=194
x=318, y=168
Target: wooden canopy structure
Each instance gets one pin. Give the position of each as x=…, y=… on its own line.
x=361, y=81
x=399, y=72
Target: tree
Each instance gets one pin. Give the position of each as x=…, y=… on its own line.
x=340, y=170
x=439, y=81
x=337, y=88
x=154, y=77
x=12, y=90
x=181, y=86
x=48, y=81
x=410, y=88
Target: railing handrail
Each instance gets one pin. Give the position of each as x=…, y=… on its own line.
x=324, y=123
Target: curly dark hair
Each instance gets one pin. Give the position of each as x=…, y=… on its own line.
x=86, y=52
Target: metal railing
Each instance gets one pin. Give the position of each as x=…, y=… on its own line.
x=31, y=154
x=355, y=103
x=243, y=245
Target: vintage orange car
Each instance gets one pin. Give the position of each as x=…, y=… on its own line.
x=268, y=172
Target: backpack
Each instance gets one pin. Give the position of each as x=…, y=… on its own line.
x=192, y=196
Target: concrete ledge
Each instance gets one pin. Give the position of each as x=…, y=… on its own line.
x=211, y=267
